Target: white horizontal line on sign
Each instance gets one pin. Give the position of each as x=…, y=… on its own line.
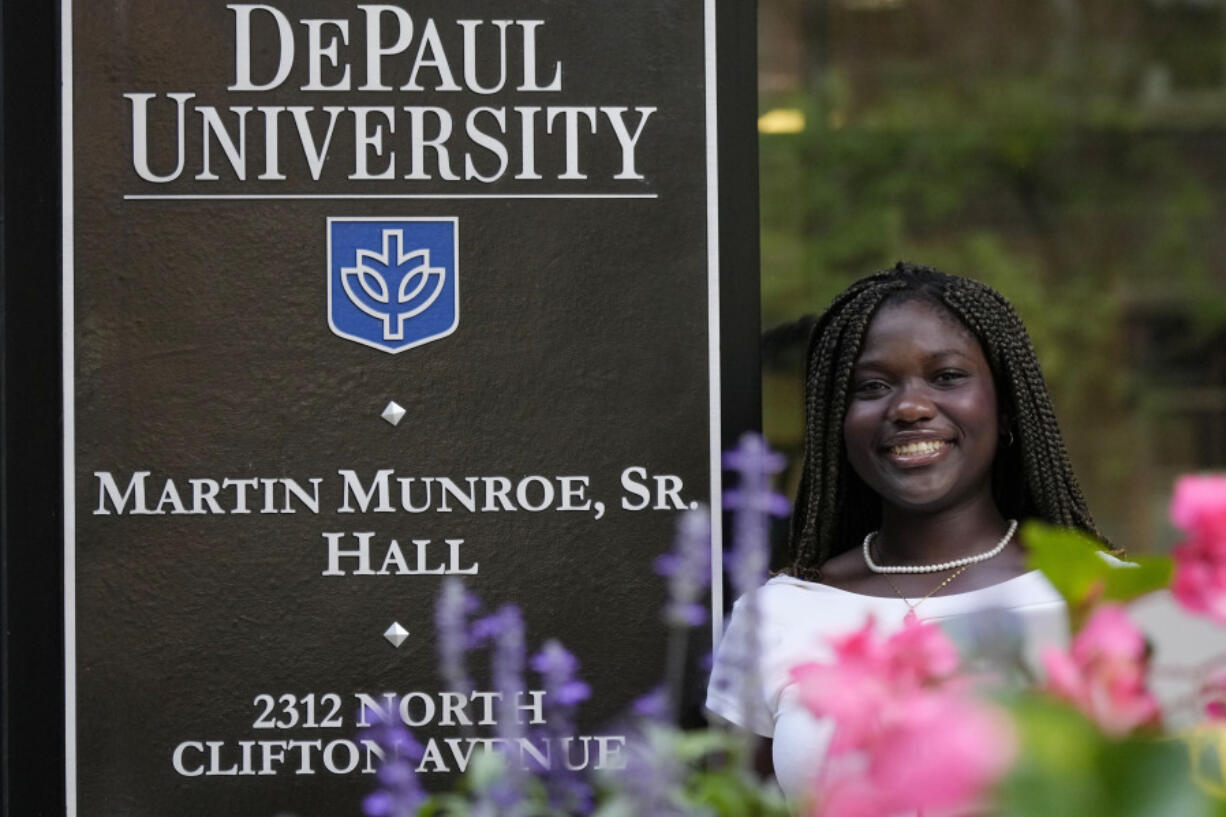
x=269, y=196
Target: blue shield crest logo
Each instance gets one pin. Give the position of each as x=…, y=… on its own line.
x=393, y=283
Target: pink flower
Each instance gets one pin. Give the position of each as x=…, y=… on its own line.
x=847, y=791
x=1213, y=692
x=906, y=737
x=852, y=689
x=920, y=654
x=1103, y=674
x=1199, y=509
x=1216, y=710
x=1200, y=578
x=941, y=751
x=868, y=672
x=1199, y=504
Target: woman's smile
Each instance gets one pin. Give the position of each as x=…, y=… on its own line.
x=917, y=453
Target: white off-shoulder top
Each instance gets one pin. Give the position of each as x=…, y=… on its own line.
x=796, y=620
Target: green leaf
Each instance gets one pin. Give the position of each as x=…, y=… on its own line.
x=1084, y=573
x=616, y=806
x=1207, y=756
x=698, y=744
x=730, y=792
x=1067, y=768
x=444, y=805
x=721, y=793
x=485, y=769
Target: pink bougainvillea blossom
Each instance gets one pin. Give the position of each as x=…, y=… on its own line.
x=869, y=671
x=1199, y=504
x=906, y=736
x=852, y=689
x=920, y=654
x=1103, y=674
x=1199, y=510
x=941, y=750
x=1213, y=694
x=1200, y=579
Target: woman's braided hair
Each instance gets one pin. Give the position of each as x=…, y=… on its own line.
x=1031, y=478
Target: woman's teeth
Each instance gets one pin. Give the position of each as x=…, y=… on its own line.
x=915, y=449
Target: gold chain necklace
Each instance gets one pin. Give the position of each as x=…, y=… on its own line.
x=911, y=614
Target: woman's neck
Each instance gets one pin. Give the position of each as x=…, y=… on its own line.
x=911, y=538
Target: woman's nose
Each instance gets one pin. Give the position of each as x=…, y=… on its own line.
x=911, y=404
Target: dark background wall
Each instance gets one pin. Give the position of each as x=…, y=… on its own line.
x=30, y=460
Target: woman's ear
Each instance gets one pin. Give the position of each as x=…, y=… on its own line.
x=1005, y=430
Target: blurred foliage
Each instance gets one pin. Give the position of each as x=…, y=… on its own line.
x=1070, y=154
x=715, y=778
x=1077, y=566
x=1207, y=753
x=673, y=773
x=1068, y=767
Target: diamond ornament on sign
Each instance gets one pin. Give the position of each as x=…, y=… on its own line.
x=395, y=634
x=394, y=413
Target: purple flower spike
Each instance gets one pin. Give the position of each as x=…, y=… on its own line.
x=400, y=794
x=652, y=778
x=451, y=613
x=770, y=503
x=654, y=706
x=395, y=739
x=554, y=661
x=379, y=804
x=506, y=628
x=688, y=569
x=753, y=455
x=755, y=503
x=573, y=693
x=395, y=775
x=558, y=668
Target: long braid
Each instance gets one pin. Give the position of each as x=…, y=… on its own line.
x=834, y=508
x=1009, y=350
x=833, y=350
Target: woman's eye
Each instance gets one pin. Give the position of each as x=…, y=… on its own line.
x=870, y=387
x=950, y=376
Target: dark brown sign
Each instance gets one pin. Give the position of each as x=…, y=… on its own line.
x=358, y=297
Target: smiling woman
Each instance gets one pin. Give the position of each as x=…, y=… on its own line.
x=929, y=435
x=927, y=418
x=921, y=431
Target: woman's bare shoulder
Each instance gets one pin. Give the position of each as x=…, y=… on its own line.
x=846, y=571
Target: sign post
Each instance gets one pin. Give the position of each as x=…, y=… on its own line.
x=356, y=298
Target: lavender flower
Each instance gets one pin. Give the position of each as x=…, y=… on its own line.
x=652, y=778
x=451, y=612
x=654, y=706
x=506, y=629
x=754, y=503
x=558, y=668
x=400, y=793
x=688, y=569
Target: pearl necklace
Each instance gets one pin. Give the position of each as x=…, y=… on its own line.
x=967, y=560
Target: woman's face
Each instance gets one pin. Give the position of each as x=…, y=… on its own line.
x=922, y=424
